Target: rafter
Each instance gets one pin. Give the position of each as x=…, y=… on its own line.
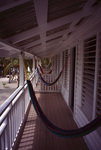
x=50, y=25
x=41, y=7
x=32, y=44
x=61, y=33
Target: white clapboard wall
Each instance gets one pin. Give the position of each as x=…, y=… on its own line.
x=65, y=75
x=87, y=87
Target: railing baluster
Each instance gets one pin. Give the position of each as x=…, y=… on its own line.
x=49, y=78
x=12, y=114
x=2, y=143
x=6, y=138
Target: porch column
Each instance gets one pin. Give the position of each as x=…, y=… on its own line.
x=37, y=62
x=34, y=67
x=34, y=64
x=40, y=62
x=21, y=71
x=21, y=83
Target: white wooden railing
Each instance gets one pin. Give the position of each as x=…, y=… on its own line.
x=13, y=110
x=12, y=113
x=41, y=87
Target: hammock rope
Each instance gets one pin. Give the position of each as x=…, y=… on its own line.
x=56, y=80
x=49, y=72
x=45, y=82
x=48, y=67
x=54, y=129
x=93, y=125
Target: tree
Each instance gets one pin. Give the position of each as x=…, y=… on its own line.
x=3, y=63
x=11, y=67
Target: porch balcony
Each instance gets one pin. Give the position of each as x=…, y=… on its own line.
x=21, y=128
x=56, y=30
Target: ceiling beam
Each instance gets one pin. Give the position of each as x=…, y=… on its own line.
x=11, y=50
x=50, y=45
x=23, y=36
x=51, y=25
x=41, y=9
x=72, y=28
x=49, y=53
x=88, y=6
x=61, y=33
x=32, y=44
x=38, y=48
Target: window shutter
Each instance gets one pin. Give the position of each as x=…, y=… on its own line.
x=98, y=106
x=63, y=60
x=88, y=76
x=65, y=69
x=98, y=102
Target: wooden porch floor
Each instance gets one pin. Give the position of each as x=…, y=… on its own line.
x=36, y=137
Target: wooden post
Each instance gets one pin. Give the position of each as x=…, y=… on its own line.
x=33, y=64
x=21, y=83
x=21, y=71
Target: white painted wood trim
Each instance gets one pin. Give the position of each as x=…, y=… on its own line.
x=96, y=75
x=21, y=70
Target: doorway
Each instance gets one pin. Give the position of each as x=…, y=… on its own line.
x=72, y=76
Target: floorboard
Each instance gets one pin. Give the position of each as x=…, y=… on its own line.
x=36, y=137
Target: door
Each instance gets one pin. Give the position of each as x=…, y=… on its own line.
x=72, y=76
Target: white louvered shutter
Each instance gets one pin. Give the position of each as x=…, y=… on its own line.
x=88, y=76
x=65, y=69
x=63, y=60
x=98, y=101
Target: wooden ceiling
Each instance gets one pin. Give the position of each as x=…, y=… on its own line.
x=40, y=26
x=59, y=8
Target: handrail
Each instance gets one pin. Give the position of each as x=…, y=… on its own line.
x=9, y=100
x=7, y=104
x=12, y=113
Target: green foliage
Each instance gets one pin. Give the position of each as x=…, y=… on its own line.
x=3, y=63
x=4, y=83
x=45, y=61
x=12, y=62
x=7, y=63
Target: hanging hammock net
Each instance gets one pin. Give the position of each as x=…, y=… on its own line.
x=45, y=82
x=54, y=129
x=45, y=72
x=56, y=80
x=93, y=125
